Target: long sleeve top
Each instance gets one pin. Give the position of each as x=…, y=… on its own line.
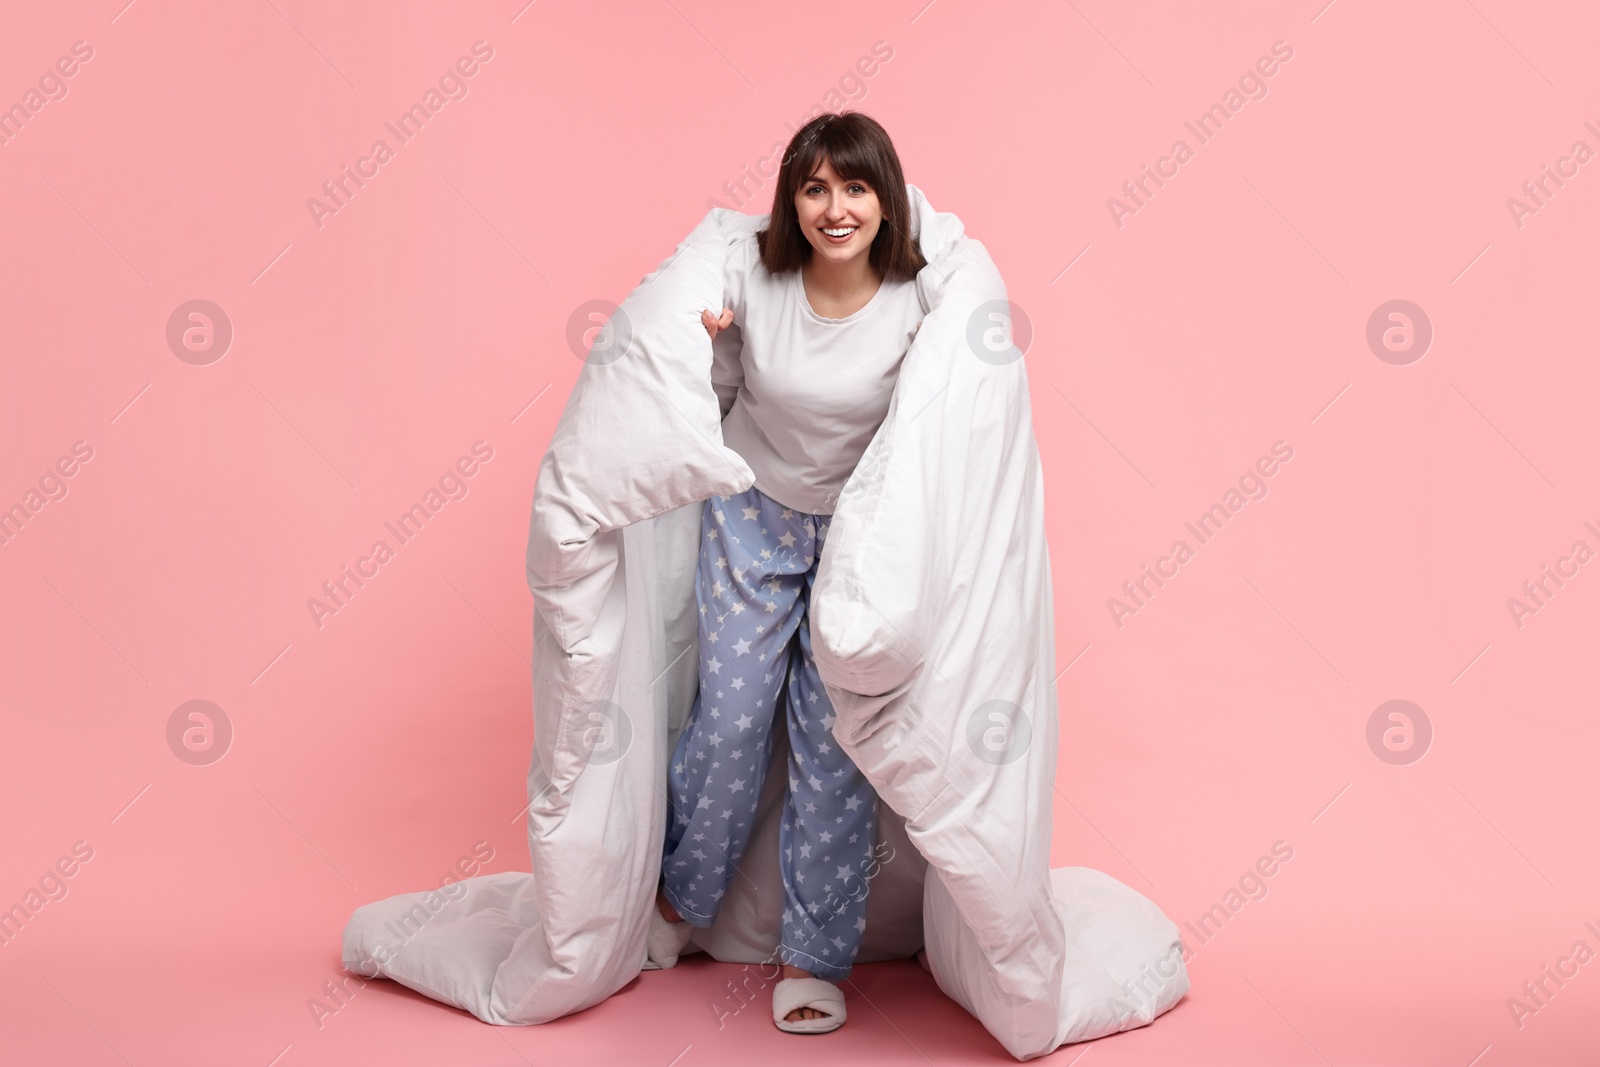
x=802, y=395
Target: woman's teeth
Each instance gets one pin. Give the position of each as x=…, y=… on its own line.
x=843, y=231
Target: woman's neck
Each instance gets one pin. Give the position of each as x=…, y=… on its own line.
x=840, y=281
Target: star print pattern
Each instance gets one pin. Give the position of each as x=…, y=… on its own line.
x=758, y=562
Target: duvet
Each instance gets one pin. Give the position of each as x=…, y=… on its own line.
x=932, y=629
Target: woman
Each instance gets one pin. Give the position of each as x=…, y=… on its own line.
x=804, y=380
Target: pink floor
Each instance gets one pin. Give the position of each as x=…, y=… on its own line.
x=1380, y=981
x=188, y=498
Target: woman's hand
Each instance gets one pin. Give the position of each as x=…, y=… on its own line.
x=713, y=324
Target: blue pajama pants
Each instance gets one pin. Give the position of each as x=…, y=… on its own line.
x=758, y=561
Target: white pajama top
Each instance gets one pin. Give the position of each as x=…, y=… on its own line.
x=803, y=395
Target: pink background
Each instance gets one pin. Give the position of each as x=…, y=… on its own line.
x=1229, y=312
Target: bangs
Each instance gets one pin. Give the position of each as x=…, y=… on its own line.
x=853, y=158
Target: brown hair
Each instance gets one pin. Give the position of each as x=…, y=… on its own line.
x=858, y=149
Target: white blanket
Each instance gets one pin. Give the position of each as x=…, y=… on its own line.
x=932, y=628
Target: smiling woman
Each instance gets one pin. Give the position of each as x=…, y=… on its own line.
x=824, y=306
x=823, y=309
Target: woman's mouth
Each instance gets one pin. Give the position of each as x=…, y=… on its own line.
x=839, y=235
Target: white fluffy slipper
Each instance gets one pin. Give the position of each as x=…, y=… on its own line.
x=665, y=941
x=818, y=993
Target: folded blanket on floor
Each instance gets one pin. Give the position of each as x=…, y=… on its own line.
x=932, y=628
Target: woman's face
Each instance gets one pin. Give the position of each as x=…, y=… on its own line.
x=828, y=202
